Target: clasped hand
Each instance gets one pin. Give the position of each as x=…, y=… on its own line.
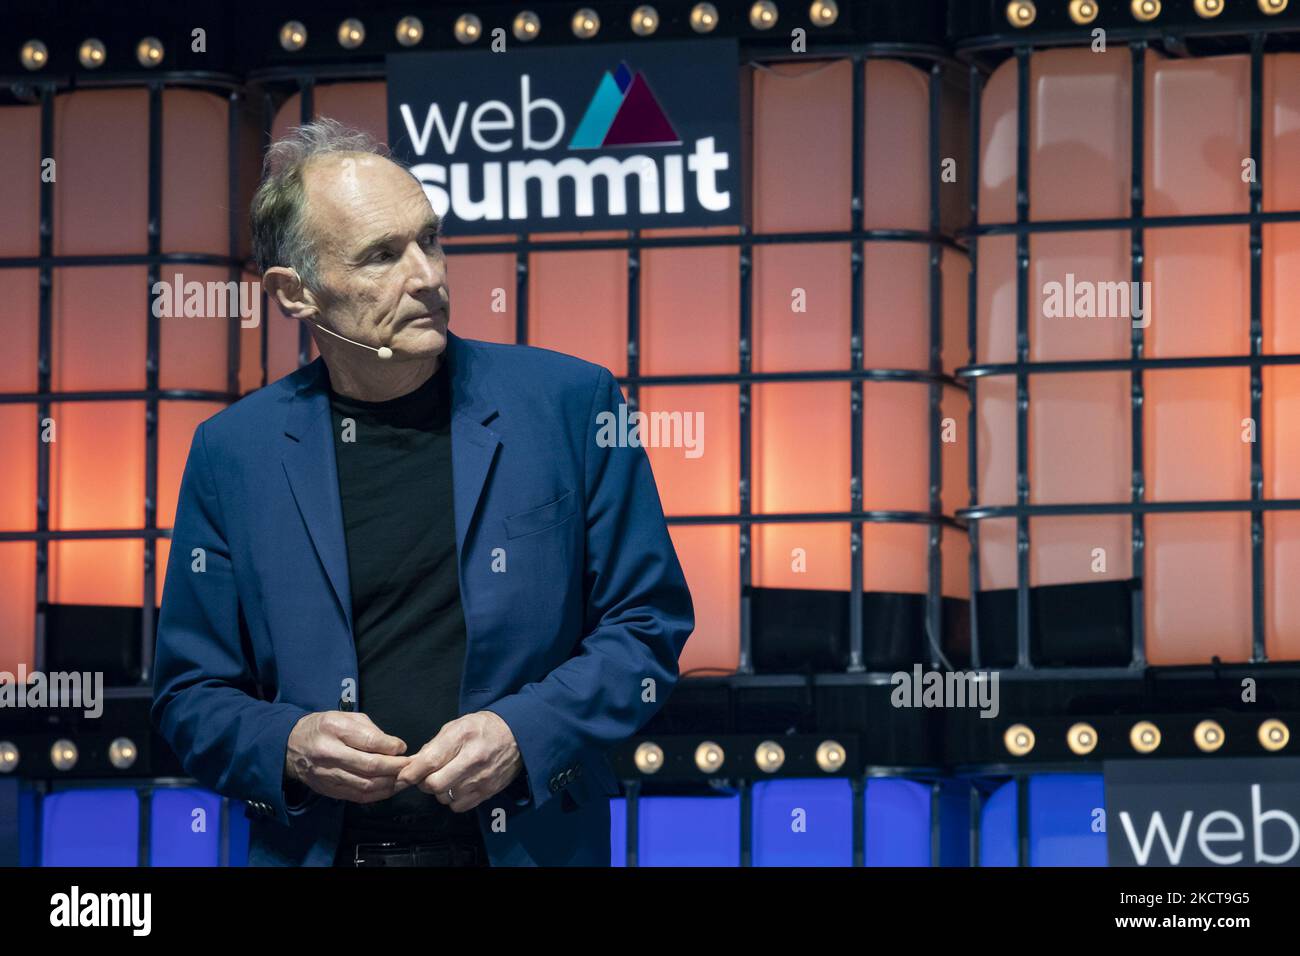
x=346, y=756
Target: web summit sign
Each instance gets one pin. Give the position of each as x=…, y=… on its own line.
x=606, y=137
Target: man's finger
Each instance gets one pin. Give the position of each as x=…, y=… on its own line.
x=360, y=733
x=337, y=755
x=343, y=785
x=431, y=757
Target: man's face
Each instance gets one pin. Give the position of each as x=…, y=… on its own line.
x=382, y=271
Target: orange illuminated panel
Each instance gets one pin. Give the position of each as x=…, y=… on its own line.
x=1079, y=550
x=482, y=289
x=20, y=318
x=17, y=604
x=177, y=421
x=18, y=436
x=702, y=479
x=97, y=466
x=690, y=306
x=20, y=157
x=195, y=173
x=895, y=446
x=577, y=301
x=809, y=556
x=710, y=559
x=108, y=572
x=101, y=203
x=100, y=327
x=194, y=329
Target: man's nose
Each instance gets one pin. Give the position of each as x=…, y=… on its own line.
x=424, y=271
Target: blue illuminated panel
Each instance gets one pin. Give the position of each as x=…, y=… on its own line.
x=90, y=828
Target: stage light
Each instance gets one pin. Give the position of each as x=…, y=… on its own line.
x=1145, y=737
x=63, y=754
x=8, y=756
x=1021, y=13
x=830, y=755
x=704, y=17
x=769, y=756
x=645, y=20
x=149, y=52
x=1273, y=735
x=1019, y=740
x=468, y=28
x=122, y=753
x=586, y=23
x=1272, y=6
x=649, y=757
x=1081, y=738
x=526, y=25
x=762, y=15
x=823, y=13
x=34, y=55
x=410, y=31
x=92, y=54
x=709, y=757
x=1207, y=8
x=352, y=33
x=293, y=36
x=1145, y=10
x=1083, y=11
x=1209, y=736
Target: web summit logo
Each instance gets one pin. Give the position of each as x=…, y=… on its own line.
x=623, y=113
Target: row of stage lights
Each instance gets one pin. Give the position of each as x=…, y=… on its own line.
x=468, y=28
x=768, y=756
x=1021, y=13
x=1144, y=737
x=122, y=753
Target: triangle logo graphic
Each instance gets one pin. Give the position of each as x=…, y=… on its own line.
x=623, y=112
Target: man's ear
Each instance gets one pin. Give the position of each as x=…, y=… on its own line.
x=285, y=286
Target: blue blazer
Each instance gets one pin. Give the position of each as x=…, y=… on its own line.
x=575, y=647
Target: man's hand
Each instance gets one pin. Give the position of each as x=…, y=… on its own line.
x=475, y=757
x=345, y=756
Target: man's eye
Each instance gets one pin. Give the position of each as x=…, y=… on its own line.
x=430, y=238
x=382, y=255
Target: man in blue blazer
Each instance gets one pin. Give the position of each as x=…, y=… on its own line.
x=414, y=591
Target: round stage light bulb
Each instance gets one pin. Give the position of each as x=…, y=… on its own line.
x=1205, y=9
x=92, y=54
x=1273, y=735
x=410, y=31
x=649, y=757
x=468, y=28
x=1271, y=7
x=352, y=33
x=762, y=15
x=704, y=17
x=63, y=754
x=645, y=20
x=1145, y=737
x=1208, y=736
x=1019, y=740
x=708, y=757
x=823, y=13
x=149, y=52
x=293, y=36
x=830, y=755
x=34, y=55
x=769, y=755
x=1083, y=11
x=122, y=753
x=1145, y=10
x=586, y=23
x=1081, y=738
x=8, y=756
x=526, y=26
x=1021, y=13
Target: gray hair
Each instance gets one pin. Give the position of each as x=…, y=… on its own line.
x=280, y=236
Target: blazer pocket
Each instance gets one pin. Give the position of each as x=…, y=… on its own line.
x=541, y=518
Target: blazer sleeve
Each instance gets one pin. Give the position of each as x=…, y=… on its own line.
x=206, y=699
x=639, y=614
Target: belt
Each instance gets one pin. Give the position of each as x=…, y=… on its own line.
x=432, y=853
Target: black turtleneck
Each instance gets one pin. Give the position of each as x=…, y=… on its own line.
x=395, y=484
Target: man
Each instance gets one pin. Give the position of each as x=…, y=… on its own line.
x=411, y=600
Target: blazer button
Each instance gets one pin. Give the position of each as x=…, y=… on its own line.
x=555, y=784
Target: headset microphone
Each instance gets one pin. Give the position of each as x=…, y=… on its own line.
x=384, y=352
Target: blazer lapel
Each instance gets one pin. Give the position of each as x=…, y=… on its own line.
x=309, y=461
